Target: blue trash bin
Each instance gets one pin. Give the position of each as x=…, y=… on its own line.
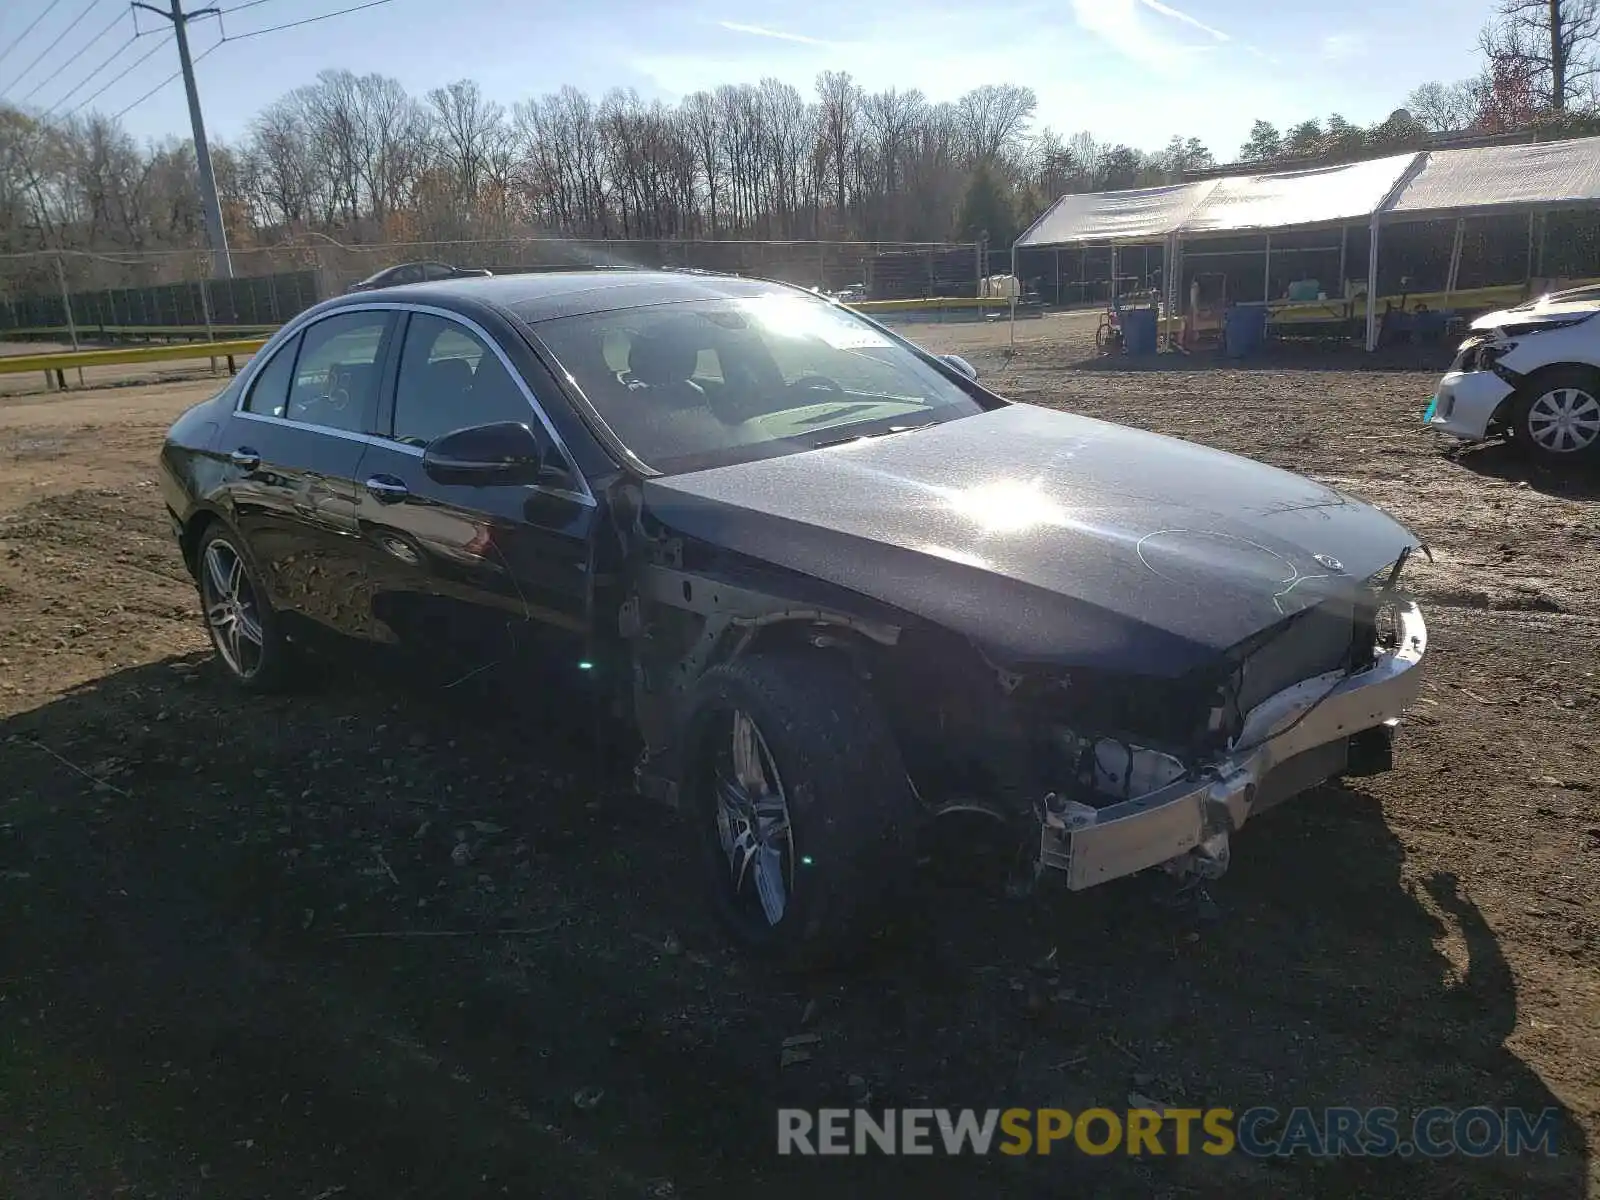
x=1244, y=329
x=1139, y=330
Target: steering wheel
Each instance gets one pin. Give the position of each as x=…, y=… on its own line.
x=332, y=395
x=817, y=383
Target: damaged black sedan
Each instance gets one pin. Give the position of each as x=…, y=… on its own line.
x=836, y=586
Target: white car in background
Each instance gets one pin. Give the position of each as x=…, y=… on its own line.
x=1532, y=372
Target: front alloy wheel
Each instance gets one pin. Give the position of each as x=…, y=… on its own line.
x=803, y=821
x=753, y=821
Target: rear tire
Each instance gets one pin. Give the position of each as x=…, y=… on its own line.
x=806, y=835
x=1556, y=415
x=245, y=631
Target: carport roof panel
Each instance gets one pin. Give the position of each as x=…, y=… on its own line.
x=1138, y=215
x=1488, y=178
x=1293, y=199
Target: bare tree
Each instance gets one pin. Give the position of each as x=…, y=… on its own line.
x=994, y=120
x=840, y=101
x=1554, y=41
x=466, y=128
x=1089, y=155
x=1445, y=107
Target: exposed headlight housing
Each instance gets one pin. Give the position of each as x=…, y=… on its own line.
x=1481, y=353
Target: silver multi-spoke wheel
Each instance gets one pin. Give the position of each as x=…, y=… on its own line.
x=233, y=611
x=804, y=866
x=753, y=821
x=1564, y=420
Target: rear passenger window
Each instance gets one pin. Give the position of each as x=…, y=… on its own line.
x=449, y=379
x=270, y=391
x=336, y=377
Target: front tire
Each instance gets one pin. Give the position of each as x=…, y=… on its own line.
x=245, y=632
x=1557, y=415
x=804, y=820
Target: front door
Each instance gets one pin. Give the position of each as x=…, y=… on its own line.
x=490, y=573
x=293, y=448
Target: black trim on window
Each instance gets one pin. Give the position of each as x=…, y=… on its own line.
x=389, y=377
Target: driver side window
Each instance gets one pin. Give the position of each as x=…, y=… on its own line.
x=336, y=376
x=450, y=379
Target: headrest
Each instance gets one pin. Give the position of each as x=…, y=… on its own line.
x=662, y=359
x=450, y=375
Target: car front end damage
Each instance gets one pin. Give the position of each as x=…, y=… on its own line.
x=1470, y=401
x=1499, y=353
x=1098, y=775
x=1334, y=723
x=1314, y=697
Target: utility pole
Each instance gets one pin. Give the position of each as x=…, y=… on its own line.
x=222, y=264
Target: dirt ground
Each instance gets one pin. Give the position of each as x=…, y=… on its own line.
x=374, y=939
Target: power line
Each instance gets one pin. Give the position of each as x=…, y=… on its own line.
x=71, y=25
x=239, y=37
x=119, y=113
x=119, y=76
x=233, y=8
x=17, y=41
x=81, y=52
x=82, y=83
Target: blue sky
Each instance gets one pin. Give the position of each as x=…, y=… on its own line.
x=1130, y=70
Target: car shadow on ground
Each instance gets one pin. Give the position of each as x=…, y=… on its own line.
x=369, y=939
x=1505, y=460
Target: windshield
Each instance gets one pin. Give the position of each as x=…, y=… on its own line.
x=710, y=382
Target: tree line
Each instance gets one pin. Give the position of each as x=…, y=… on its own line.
x=359, y=159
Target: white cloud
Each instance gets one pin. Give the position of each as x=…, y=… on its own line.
x=1192, y=22
x=1337, y=46
x=777, y=34
x=1122, y=25
x=1061, y=51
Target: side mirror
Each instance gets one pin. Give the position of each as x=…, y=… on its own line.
x=960, y=364
x=504, y=453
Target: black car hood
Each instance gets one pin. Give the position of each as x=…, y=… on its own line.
x=1047, y=537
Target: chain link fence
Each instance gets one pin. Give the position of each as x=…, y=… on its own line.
x=85, y=296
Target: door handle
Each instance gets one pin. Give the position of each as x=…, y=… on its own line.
x=246, y=458
x=385, y=489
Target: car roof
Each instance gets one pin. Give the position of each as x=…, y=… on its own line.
x=543, y=295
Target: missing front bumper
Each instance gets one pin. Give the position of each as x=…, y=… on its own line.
x=1290, y=742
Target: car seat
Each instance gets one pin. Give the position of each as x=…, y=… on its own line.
x=663, y=413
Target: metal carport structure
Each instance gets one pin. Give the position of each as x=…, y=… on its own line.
x=1415, y=186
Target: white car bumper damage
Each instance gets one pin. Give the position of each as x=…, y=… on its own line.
x=1290, y=742
x=1466, y=403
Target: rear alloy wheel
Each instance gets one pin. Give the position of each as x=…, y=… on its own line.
x=1558, y=416
x=799, y=803
x=243, y=628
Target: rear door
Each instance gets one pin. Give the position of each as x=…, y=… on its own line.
x=293, y=447
x=490, y=572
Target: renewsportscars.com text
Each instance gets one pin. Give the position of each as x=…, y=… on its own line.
x=1256, y=1132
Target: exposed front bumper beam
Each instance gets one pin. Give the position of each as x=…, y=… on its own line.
x=1290, y=741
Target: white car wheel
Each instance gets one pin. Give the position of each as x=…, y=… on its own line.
x=1558, y=417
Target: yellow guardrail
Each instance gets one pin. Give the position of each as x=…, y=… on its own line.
x=55, y=362
x=97, y=332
